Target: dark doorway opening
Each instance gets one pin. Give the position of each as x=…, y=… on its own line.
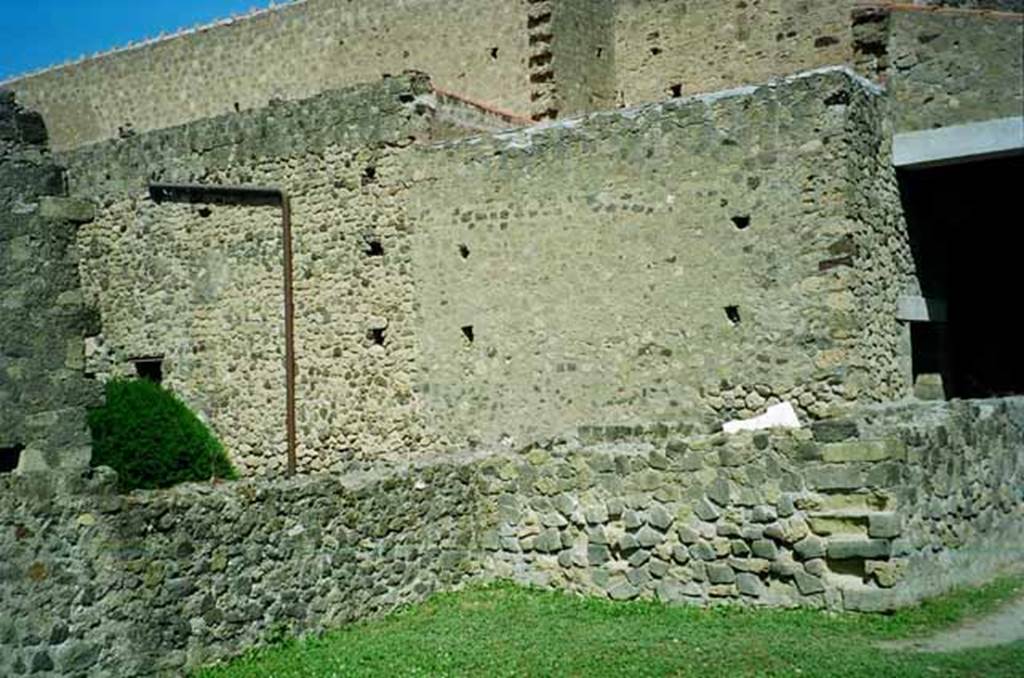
x=965, y=230
x=10, y=456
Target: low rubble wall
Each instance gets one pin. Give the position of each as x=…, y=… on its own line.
x=868, y=513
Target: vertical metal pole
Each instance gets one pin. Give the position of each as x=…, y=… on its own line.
x=289, y=331
x=255, y=195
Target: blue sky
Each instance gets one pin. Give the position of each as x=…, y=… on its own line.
x=39, y=33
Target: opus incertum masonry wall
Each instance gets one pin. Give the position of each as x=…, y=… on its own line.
x=514, y=347
x=505, y=288
x=539, y=58
x=866, y=513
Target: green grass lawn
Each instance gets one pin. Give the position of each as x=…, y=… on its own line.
x=503, y=630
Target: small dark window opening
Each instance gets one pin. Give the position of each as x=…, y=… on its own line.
x=238, y=108
x=600, y=52
x=377, y=336
x=464, y=251
x=494, y=53
x=733, y=314
x=374, y=247
x=9, y=457
x=676, y=90
x=204, y=212
x=467, y=332
x=655, y=51
x=150, y=369
x=741, y=221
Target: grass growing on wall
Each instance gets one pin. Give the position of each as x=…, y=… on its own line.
x=503, y=630
x=151, y=438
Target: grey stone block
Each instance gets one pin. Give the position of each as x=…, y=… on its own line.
x=638, y=576
x=598, y=554
x=884, y=525
x=749, y=584
x=702, y=551
x=835, y=477
x=720, y=573
x=705, y=510
x=649, y=537
x=843, y=549
x=639, y=557
x=631, y=519
x=834, y=430
x=765, y=548
x=687, y=535
x=808, y=584
x=548, y=541
x=623, y=591
x=811, y=546
x=658, y=517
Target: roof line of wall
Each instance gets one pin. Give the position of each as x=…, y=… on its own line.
x=522, y=137
x=934, y=9
x=163, y=37
x=507, y=116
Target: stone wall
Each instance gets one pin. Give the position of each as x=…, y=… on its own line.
x=202, y=287
x=583, y=54
x=43, y=392
x=477, y=48
x=665, y=48
x=865, y=513
x=94, y=583
x=994, y=5
x=950, y=61
x=948, y=68
x=698, y=259
x=534, y=58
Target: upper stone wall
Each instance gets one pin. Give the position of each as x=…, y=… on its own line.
x=202, y=285
x=667, y=48
x=583, y=54
x=694, y=260
x=538, y=59
x=478, y=48
x=946, y=62
x=508, y=286
x=998, y=5
x=948, y=69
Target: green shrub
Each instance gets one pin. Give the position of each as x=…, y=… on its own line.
x=151, y=438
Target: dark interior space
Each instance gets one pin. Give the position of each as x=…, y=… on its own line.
x=965, y=229
x=9, y=457
x=150, y=368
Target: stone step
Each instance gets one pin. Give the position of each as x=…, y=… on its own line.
x=847, y=522
x=844, y=548
x=876, y=524
x=855, y=501
x=862, y=450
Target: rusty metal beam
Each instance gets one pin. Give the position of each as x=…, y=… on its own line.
x=255, y=196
